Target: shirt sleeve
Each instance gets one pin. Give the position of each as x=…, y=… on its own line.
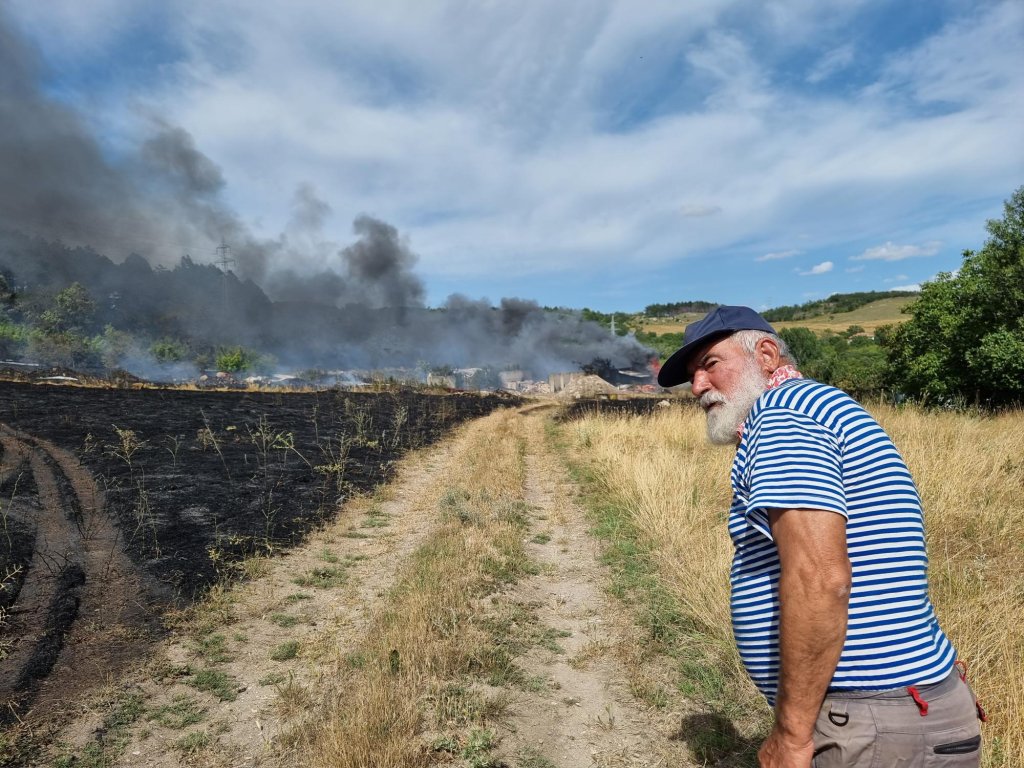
x=793, y=462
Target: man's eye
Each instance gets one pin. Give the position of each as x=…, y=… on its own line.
x=710, y=364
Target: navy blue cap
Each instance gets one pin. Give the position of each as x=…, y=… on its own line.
x=718, y=323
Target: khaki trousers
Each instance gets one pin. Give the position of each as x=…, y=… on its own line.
x=886, y=729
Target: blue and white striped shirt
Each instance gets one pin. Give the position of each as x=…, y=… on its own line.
x=806, y=445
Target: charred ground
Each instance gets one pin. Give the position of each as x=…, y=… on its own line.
x=119, y=503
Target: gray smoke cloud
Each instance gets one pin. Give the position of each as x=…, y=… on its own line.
x=307, y=299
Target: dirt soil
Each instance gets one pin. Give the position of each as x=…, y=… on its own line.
x=587, y=714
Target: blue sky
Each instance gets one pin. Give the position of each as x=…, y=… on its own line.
x=580, y=153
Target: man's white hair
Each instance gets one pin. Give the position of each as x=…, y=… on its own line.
x=748, y=341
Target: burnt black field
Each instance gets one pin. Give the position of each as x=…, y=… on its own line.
x=195, y=480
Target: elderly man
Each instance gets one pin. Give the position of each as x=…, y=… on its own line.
x=830, y=605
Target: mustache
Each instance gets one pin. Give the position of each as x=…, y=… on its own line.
x=711, y=398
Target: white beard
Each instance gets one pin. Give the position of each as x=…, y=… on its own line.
x=724, y=420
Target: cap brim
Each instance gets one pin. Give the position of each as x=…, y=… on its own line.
x=674, y=372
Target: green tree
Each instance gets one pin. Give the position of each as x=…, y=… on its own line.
x=168, y=350
x=804, y=344
x=116, y=347
x=242, y=360
x=235, y=360
x=965, y=338
x=72, y=311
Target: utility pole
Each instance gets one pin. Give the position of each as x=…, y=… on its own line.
x=224, y=261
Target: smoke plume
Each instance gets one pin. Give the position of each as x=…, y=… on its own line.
x=123, y=229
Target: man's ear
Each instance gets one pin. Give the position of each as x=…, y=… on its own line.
x=768, y=355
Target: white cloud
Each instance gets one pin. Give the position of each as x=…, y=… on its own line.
x=697, y=211
x=832, y=62
x=819, y=269
x=896, y=279
x=777, y=255
x=910, y=287
x=502, y=139
x=890, y=251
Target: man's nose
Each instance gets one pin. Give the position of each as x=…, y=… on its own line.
x=700, y=383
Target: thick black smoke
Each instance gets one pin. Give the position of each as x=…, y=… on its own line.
x=68, y=213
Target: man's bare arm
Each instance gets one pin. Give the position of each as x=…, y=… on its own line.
x=814, y=596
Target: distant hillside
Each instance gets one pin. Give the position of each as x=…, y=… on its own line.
x=836, y=313
x=869, y=317
x=835, y=304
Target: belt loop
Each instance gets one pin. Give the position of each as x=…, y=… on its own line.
x=961, y=668
x=922, y=705
x=837, y=714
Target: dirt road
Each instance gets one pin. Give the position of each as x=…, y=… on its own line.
x=244, y=670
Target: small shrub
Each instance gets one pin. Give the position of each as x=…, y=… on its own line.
x=192, y=743
x=274, y=678
x=220, y=684
x=182, y=712
x=285, y=651
x=214, y=647
x=323, y=578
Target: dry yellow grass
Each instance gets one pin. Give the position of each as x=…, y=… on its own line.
x=970, y=471
x=427, y=633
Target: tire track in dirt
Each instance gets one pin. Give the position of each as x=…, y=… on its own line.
x=69, y=627
x=586, y=716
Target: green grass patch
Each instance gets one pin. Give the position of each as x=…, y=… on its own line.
x=193, y=743
x=298, y=597
x=477, y=751
x=284, y=619
x=509, y=563
x=323, y=578
x=328, y=557
x=541, y=538
x=220, y=684
x=182, y=712
x=375, y=519
x=285, y=651
x=274, y=678
x=100, y=753
x=214, y=648
x=125, y=711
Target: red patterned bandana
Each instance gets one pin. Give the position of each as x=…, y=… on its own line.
x=785, y=373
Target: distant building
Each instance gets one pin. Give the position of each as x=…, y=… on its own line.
x=559, y=381
x=509, y=378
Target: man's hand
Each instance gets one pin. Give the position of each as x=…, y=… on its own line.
x=778, y=751
x=814, y=596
